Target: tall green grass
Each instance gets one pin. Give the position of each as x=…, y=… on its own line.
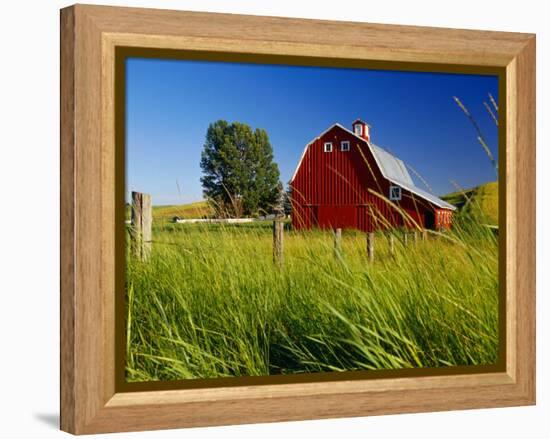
x=210, y=302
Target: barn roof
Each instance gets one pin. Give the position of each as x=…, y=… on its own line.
x=426, y=195
x=391, y=167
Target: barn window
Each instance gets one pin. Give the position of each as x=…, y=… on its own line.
x=328, y=147
x=395, y=193
x=358, y=129
x=344, y=146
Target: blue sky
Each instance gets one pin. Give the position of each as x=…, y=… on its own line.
x=170, y=104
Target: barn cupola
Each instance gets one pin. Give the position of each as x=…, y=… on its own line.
x=361, y=129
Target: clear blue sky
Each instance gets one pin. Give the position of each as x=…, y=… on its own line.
x=170, y=104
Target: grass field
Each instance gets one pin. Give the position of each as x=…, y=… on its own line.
x=210, y=302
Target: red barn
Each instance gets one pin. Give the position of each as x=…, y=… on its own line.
x=344, y=180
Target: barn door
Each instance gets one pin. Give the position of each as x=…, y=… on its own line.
x=430, y=220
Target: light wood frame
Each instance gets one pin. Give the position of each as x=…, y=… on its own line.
x=89, y=36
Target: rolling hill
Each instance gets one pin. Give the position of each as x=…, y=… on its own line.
x=199, y=209
x=481, y=202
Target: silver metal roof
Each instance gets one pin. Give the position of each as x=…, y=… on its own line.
x=426, y=195
x=392, y=167
x=395, y=170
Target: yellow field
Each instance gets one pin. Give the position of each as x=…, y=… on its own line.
x=199, y=209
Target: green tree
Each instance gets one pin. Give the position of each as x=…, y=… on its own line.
x=239, y=174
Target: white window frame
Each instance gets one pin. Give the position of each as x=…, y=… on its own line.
x=358, y=129
x=395, y=197
x=327, y=147
x=344, y=145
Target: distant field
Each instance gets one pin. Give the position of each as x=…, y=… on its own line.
x=199, y=209
x=480, y=202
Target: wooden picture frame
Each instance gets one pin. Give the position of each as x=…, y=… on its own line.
x=91, y=402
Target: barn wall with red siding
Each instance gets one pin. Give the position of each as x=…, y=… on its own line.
x=347, y=189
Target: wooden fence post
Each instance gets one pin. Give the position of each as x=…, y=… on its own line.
x=405, y=238
x=337, y=241
x=424, y=235
x=415, y=237
x=370, y=246
x=142, y=221
x=391, y=243
x=278, y=227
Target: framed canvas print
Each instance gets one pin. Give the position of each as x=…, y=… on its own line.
x=268, y=219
